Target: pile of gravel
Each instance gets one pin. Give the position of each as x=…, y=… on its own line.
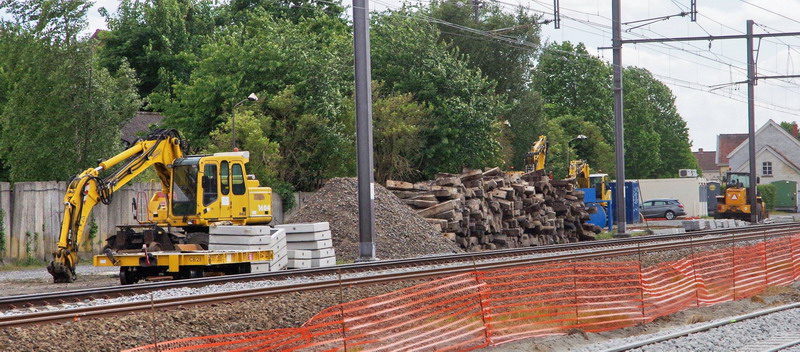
x=399, y=232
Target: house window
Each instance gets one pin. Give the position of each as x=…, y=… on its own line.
x=766, y=168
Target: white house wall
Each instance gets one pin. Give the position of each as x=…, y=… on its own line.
x=686, y=190
x=773, y=135
x=781, y=171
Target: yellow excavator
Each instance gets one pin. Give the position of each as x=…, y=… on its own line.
x=735, y=202
x=580, y=171
x=196, y=191
x=536, y=158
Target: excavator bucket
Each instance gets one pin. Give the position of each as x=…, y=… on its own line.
x=61, y=269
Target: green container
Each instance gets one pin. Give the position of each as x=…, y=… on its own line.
x=785, y=195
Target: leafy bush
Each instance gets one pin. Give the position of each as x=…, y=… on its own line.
x=768, y=194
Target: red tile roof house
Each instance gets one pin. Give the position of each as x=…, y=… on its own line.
x=708, y=163
x=726, y=143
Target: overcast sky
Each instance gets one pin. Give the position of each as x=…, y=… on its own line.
x=691, y=70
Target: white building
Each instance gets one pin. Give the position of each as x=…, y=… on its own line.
x=777, y=155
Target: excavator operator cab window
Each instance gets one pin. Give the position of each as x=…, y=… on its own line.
x=209, y=184
x=224, y=180
x=238, y=179
x=184, y=186
x=738, y=180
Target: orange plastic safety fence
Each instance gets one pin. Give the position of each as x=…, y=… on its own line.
x=468, y=311
x=552, y=299
x=668, y=287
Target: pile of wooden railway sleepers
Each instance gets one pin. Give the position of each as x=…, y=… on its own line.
x=490, y=209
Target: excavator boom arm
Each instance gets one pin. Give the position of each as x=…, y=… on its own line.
x=536, y=158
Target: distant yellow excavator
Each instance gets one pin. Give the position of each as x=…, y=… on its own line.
x=735, y=202
x=196, y=191
x=580, y=171
x=536, y=158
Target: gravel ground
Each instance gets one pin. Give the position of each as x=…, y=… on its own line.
x=730, y=337
x=132, y=330
x=41, y=273
x=593, y=342
x=399, y=231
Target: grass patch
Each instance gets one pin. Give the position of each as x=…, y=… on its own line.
x=605, y=235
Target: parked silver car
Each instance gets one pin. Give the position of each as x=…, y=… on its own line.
x=662, y=208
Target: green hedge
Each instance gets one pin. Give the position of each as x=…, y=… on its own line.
x=768, y=193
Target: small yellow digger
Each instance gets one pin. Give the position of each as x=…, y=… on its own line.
x=734, y=203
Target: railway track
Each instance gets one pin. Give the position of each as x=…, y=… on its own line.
x=774, y=343
x=353, y=274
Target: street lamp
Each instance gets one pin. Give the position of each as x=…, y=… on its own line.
x=251, y=97
x=579, y=137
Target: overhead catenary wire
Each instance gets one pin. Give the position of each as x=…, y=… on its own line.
x=517, y=42
x=706, y=87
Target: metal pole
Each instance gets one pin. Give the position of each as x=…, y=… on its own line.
x=366, y=185
x=619, y=142
x=751, y=122
x=476, y=9
x=233, y=128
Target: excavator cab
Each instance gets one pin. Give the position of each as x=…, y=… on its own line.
x=734, y=203
x=600, y=183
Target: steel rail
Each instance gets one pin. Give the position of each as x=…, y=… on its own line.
x=783, y=346
x=702, y=328
x=121, y=308
x=694, y=238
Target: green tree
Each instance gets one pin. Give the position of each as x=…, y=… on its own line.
x=306, y=162
x=250, y=136
x=293, y=10
x=158, y=38
x=790, y=127
x=656, y=137
x=60, y=110
x=572, y=82
x=408, y=57
x=507, y=59
x=58, y=21
x=564, y=147
x=64, y=112
x=398, y=123
x=510, y=65
x=524, y=123
x=285, y=144
x=265, y=55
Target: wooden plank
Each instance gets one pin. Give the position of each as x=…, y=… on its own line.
x=38, y=213
x=5, y=205
x=492, y=172
x=420, y=203
x=471, y=175
x=439, y=208
x=433, y=221
x=17, y=241
x=399, y=185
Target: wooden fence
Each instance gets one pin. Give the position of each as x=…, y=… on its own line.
x=33, y=212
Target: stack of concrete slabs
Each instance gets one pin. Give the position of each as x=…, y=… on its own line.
x=310, y=245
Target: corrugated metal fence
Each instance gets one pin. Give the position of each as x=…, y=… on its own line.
x=33, y=212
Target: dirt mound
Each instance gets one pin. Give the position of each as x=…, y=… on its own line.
x=399, y=232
